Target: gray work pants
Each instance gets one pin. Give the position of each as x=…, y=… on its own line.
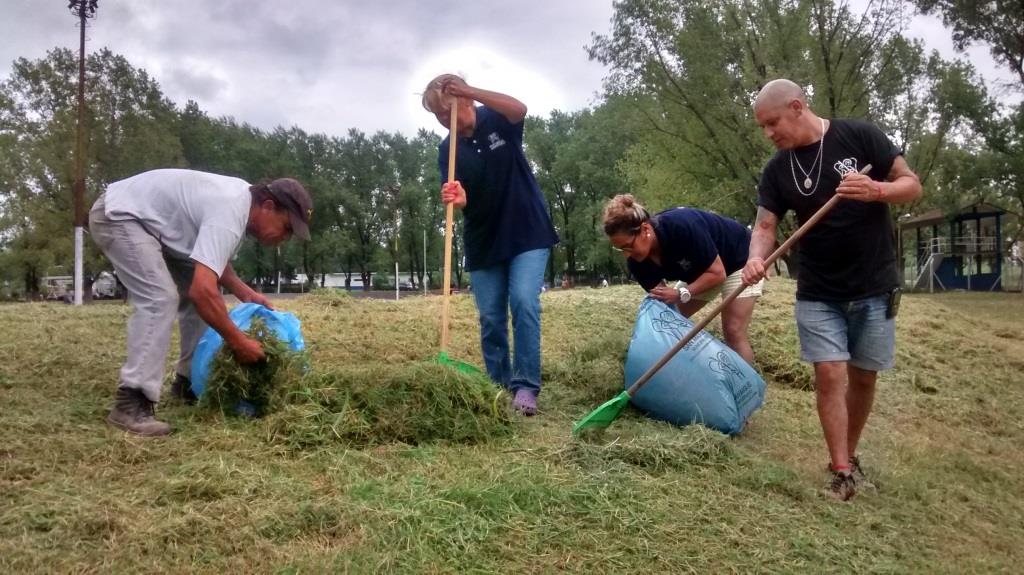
x=158, y=282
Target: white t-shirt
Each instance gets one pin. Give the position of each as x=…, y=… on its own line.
x=196, y=214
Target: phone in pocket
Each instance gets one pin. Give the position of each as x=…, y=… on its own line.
x=893, y=305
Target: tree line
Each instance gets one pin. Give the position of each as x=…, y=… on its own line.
x=673, y=127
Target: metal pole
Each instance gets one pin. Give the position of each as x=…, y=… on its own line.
x=396, y=255
x=78, y=191
x=424, y=261
x=931, y=268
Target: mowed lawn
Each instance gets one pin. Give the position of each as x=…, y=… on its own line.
x=223, y=495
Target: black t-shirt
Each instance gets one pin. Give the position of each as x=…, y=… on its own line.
x=505, y=213
x=849, y=254
x=690, y=240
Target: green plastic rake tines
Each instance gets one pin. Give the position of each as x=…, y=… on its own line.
x=604, y=415
x=469, y=369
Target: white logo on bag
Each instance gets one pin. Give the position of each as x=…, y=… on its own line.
x=496, y=141
x=847, y=166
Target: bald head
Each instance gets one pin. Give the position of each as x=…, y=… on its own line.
x=778, y=93
x=782, y=113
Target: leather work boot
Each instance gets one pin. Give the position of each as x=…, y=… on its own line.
x=133, y=412
x=181, y=388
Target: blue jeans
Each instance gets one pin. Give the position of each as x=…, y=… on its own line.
x=514, y=283
x=856, y=332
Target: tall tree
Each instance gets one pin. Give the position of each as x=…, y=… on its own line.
x=693, y=66
x=131, y=128
x=999, y=24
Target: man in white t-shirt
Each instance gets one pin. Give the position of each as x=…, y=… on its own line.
x=170, y=235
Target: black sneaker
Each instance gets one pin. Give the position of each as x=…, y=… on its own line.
x=181, y=388
x=859, y=478
x=840, y=485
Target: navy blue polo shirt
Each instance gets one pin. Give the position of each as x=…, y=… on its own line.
x=505, y=213
x=690, y=240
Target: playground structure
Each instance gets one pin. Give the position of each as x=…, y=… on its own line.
x=963, y=250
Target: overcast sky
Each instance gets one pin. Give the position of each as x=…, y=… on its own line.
x=330, y=65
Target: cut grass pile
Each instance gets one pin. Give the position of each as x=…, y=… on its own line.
x=415, y=403
x=656, y=448
x=264, y=385
x=228, y=495
x=412, y=403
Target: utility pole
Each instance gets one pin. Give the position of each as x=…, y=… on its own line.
x=83, y=9
x=396, y=255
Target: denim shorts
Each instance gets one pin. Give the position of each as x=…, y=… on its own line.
x=854, y=331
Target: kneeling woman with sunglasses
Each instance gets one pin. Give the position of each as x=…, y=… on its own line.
x=701, y=254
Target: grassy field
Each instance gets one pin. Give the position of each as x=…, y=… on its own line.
x=223, y=495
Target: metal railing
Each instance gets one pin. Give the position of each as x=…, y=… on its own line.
x=959, y=245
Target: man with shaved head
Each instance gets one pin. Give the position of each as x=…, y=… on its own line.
x=847, y=285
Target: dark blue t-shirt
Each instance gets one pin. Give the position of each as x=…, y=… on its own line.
x=850, y=254
x=690, y=240
x=505, y=213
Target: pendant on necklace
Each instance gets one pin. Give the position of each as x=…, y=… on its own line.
x=807, y=183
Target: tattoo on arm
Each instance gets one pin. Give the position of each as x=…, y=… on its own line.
x=762, y=239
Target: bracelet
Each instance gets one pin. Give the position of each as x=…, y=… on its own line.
x=878, y=191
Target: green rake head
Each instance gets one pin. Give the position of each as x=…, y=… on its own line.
x=603, y=416
x=443, y=359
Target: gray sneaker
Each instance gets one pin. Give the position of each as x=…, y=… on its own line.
x=840, y=485
x=859, y=478
x=134, y=412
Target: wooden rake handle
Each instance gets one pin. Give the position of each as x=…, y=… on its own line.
x=448, y=220
x=821, y=213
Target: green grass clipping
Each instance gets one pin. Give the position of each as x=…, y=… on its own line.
x=263, y=385
x=414, y=403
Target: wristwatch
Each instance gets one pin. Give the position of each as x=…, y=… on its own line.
x=684, y=294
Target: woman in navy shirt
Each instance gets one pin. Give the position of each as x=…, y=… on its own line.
x=700, y=253
x=508, y=233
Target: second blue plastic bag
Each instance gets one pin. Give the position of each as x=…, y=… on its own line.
x=706, y=382
x=285, y=326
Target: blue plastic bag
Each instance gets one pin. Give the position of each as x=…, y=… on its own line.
x=706, y=382
x=284, y=325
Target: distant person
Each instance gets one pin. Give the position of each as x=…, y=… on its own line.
x=847, y=286
x=604, y=282
x=170, y=235
x=508, y=233
x=701, y=254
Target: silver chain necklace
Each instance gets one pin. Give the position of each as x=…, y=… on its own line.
x=807, y=174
